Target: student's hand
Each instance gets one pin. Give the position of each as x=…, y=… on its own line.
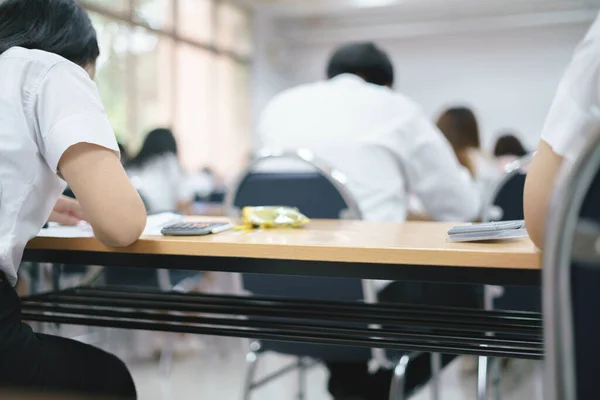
x=67, y=211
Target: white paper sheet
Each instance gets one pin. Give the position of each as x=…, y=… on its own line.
x=154, y=224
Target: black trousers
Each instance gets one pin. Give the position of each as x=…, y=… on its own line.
x=53, y=365
x=352, y=380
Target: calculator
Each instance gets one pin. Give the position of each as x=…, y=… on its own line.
x=195, y=228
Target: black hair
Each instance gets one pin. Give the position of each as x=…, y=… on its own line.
x=157, y=143
x=509, y=145
x=57, y=26
x=362, y=59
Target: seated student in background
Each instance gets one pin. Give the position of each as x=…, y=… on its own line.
x=158, y=174
x=387, y=148
x=54, y=127
x=459, y=125
x=508, y=148
x=573, y=118
x=379, y=138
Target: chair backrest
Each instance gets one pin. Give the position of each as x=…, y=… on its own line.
x=571, y=279
x=505, y=202
x=317, y=193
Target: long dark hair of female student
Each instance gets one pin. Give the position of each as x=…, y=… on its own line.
x=460, y=127
x=54, y=129
x=158, y=142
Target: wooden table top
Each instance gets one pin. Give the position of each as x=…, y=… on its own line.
x=409, y=243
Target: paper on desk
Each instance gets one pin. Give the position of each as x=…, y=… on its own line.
x=154, y=224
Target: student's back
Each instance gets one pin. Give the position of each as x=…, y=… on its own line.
x=378, y=138
x=348, y=123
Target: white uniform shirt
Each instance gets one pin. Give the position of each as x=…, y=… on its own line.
x=380, y=139
x=47, y=104
x=162, y=183
x=575, y=112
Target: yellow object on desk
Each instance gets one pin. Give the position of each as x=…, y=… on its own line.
x=272, y=217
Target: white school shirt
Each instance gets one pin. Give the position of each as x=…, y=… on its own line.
x=575, y=112
x=47, y=104
x=162, y=183
x=380, y=139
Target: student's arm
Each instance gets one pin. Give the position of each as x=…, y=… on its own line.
x=539, y=186
x=434, y=174
x=573, y=118
x=109, y=202
x=77, y=142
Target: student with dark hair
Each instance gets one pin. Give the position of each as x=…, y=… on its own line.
x=55, y=131
x=364, y=60
x=509, y=145
x=385, y=145
x=159, y=175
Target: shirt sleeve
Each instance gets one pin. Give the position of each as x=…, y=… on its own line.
x=575, y=112
x=67, y=110
x=433, y=173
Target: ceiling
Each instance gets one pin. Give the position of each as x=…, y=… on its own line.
x=314, y=20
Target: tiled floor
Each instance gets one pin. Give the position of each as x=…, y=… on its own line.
x=217, y=372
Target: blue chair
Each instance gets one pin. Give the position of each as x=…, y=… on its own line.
x=318, y=191
x=571, y=280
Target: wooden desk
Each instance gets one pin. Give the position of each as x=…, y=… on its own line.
x=325, y=242
x=413, y=251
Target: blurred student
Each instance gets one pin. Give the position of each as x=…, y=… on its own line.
x=158, y=174
x=573, y=118
x=509, y=145
x=377, y=137
x=508, y=148
x=54, y=127
x=459, y=125
x=386, y=146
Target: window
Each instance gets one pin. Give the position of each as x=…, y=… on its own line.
x=182, y=64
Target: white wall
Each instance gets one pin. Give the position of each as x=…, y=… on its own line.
x=507, y=77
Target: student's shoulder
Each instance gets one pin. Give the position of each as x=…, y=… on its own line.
x=297, y=93
x=40, y=62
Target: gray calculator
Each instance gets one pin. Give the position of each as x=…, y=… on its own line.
x=195, y=228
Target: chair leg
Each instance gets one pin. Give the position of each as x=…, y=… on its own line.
x=251, y=365
x=482, y=373
x=301, y=379
x=399, y=378
x=436, y=369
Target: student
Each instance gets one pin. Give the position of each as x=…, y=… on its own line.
x=379, y=138
x=509, y=145
x=387, y=147
x=508, y=149
x=53, y=127
x=573, y=117
x=160, y=176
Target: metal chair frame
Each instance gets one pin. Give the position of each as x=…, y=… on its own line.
x=562, y=227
